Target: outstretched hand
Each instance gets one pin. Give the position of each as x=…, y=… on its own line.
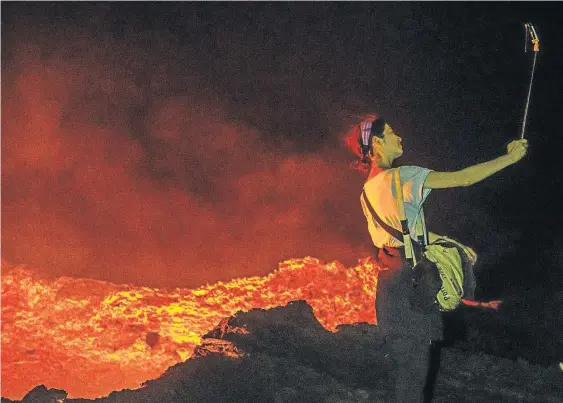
x=517, y=149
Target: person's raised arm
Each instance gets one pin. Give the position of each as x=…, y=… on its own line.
x=468, y=176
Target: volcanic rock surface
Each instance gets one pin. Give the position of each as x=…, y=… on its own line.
x=285, y=355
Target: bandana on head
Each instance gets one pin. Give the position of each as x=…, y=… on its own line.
x=366, y=131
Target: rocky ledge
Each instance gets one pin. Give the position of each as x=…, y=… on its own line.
x=284, y=355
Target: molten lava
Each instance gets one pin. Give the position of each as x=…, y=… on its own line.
x=91, y=337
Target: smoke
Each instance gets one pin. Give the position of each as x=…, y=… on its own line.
x=119, y=165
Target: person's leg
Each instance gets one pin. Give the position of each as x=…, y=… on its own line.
x=434, y=366
x=412, y=357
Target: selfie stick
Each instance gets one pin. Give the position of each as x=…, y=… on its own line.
x=531, y=31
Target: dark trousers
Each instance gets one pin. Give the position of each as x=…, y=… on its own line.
x=412, y=358
x=409, y=333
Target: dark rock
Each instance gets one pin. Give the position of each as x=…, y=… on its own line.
x=217, y=346
x=40, y=394
x=352, y=354
x=152, y=339
x=284, y=355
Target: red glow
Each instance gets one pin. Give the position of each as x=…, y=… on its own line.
x=478, y=304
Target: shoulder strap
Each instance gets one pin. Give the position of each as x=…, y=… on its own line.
x=421, y=231
x=409, y=250
x=390, y=230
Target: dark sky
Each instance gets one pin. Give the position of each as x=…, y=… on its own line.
x=175, y=144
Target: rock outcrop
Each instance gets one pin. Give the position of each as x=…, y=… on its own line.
x=284, y=355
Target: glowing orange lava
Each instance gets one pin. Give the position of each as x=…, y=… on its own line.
x=91, y=337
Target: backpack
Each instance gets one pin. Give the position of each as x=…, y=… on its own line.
x=438, y=278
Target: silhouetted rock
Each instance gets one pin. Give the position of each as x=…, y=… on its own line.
x=217, y=346
x=152, y=339
x=284, y=355
x=40, y=394
x=352, y=354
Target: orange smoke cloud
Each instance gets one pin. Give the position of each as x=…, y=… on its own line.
x=109, y=177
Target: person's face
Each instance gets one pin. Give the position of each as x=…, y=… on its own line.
x=392, y=143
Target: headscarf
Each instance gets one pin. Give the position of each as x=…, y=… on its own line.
x=369, y=128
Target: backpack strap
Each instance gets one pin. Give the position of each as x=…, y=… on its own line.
x=390, y=230
x=409, y=249
x=421, y=230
